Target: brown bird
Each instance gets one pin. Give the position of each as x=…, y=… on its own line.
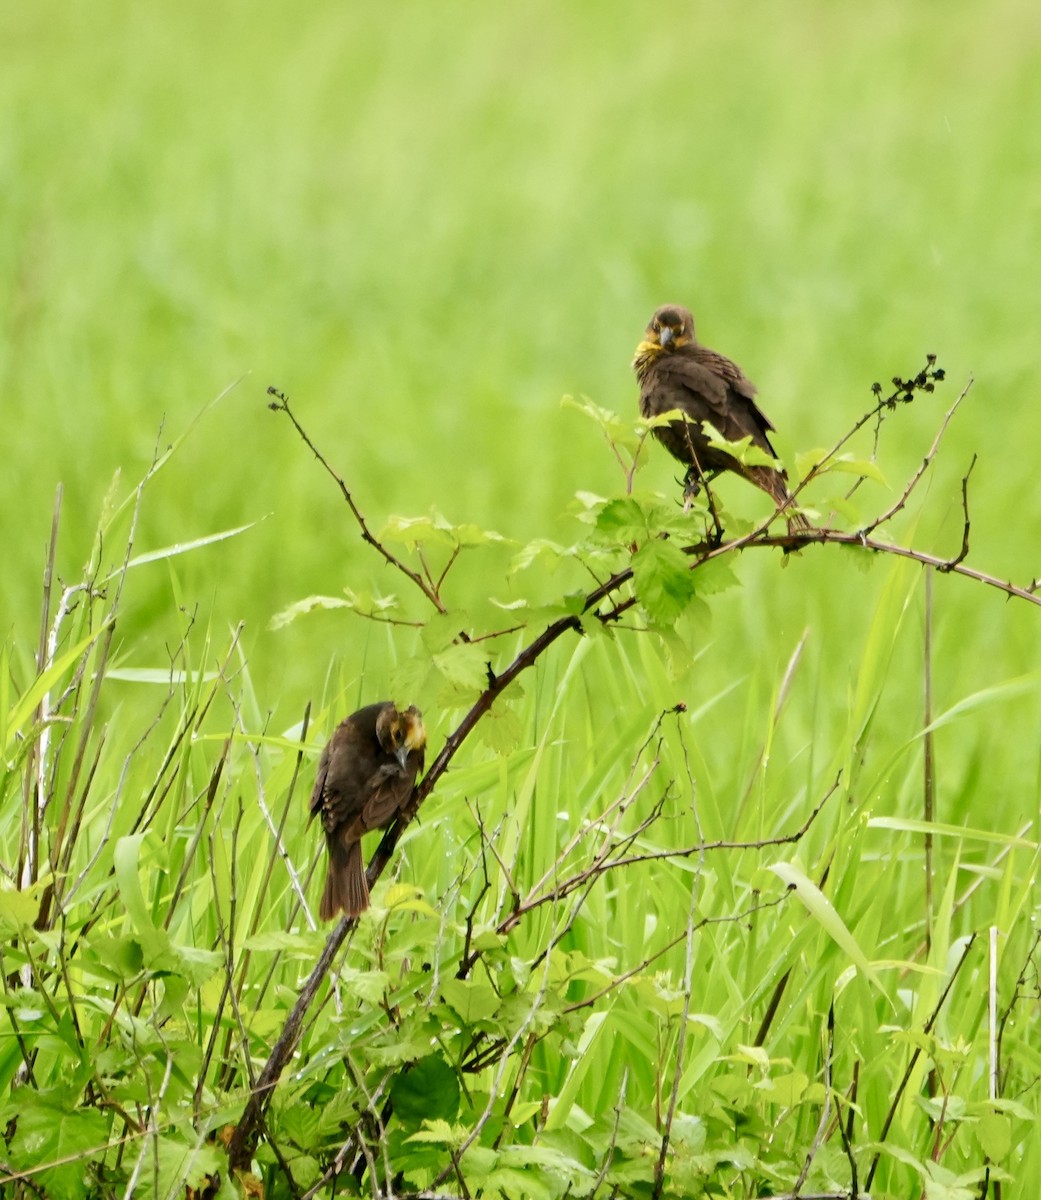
x=365, y=777
x=676, y=372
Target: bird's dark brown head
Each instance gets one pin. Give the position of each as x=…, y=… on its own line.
x=671, y=328
x=401, y=733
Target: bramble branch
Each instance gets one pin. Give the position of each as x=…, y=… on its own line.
x=246, y=1134
x=281, y=404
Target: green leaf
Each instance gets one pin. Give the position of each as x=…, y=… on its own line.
x=441, y=1134
x=823, y=912
x=126, y=858
x=994, y=1134
x=713, y=576
x=301, y=608
x=465, y=665
x=363, y=602
x=663, y=579
x=18, y=910
x=622, y=520
x=183, y=1165
x=50, y=1129
x=164, y=676
x=122, y=956
x=418, y=531
x=366, y=987
x=618, y=432
x=939, y=829
x=786, y=1089
x=441, y=630
x=744, y=449
x=500, y=728
x=26, y=704
x=436, y=530
x=180, y=548
x=427, y=1091
x=543, y=551
x=845, y=463
x=471, y=1001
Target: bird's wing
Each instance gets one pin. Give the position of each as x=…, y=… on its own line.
x=318, y=792
x=713, y=383
x=386, y=791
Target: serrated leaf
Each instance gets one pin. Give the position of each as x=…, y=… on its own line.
x=368, y=987
x=471, y=1001
x=744, y=449
x=667, y=418
x=465, y=665
x=302, y=607
x=441, y=630
x=617, y=431
x=300, y=1123
x=622, y=520
x=664, y=582
x=440, y=1133
x=786, y=1089
x=122, y=956
x=415, y=531
x=18, y=910
x=808, y=461
x=414, y=676
x=429, y=1091
x=51, y=1130
x=540, y=550
x=469, y=534
x=437, y=530
x=857, y=466
x=500, y=728
x=713, y=576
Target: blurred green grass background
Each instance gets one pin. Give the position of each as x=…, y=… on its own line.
x=427, y=224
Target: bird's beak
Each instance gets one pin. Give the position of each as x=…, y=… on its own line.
x=666, y=337
x=401, y=754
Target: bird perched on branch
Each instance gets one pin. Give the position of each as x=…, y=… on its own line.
x=676, y=372
x=365, y=777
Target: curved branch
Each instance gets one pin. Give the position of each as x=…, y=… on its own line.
x=281, y=404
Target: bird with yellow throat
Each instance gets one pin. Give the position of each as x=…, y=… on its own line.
x=366, y=776
x=676, y=372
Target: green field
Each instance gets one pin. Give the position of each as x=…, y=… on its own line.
x=427, y=225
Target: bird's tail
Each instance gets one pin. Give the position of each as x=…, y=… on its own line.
x=346, y=889
x=775, y=484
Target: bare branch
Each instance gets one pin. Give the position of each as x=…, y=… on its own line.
x=926, y=462
x=281, y=404
x=964, y=551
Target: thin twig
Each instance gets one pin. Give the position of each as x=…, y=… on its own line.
x=963, y=553
x=281, y=404
x=928, y=762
